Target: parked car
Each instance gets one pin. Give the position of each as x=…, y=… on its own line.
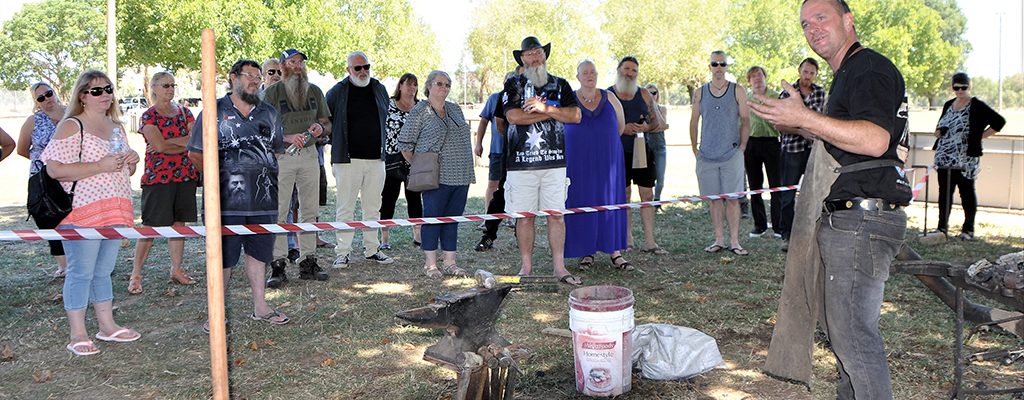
x=131, y=103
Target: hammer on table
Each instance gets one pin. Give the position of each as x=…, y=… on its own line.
x=488, y=280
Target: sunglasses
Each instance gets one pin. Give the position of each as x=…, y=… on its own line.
x=44, y=96
x=358, y=68
x=273, y=72
x=960, y=87
x=654, y=93
x=98, y=91
x=168, y=85
x=443, y=84
x=719, y=64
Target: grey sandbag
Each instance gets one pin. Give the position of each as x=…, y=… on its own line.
x=670, y=352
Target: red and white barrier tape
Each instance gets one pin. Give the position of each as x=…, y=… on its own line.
x=257, y=229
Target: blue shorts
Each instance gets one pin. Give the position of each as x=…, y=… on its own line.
x=496, y=168
x=260, y=247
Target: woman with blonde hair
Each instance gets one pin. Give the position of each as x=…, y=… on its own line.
x=169, y=179
x=87, y=162
x=36, y=133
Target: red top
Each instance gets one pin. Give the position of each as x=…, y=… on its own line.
x=164, y=168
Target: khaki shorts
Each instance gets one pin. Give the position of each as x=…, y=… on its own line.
x=535, y=190
x=721, y=177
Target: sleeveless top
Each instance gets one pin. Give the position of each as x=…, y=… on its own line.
x=41, y=135
x=632, y=111
x=720, y=124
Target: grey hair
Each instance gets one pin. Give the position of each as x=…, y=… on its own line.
x=430, y=80
x=719, y=53
x=354, y=54
x=271, y=61
x=584, y=62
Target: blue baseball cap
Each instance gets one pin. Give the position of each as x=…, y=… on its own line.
x=292, y=53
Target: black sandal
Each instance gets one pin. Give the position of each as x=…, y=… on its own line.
x=624, y=265
x=586, y=262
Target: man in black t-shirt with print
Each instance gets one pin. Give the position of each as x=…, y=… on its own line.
x=862, y=225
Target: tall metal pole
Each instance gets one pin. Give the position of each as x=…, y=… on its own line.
x=211, y=205
x=112, y=41
x=1000, y=87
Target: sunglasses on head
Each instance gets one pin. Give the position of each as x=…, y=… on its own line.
x=272, y=72
x=168, y=85
x=98, y=91
x=719, y=64
x=960, y=87
x=358, y=68
x=44, y=96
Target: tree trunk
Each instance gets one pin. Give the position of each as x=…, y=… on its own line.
x=145, y=81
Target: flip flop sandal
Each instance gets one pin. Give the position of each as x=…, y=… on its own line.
x=73, y=348
x=714, y=248
x=182, y=278
x=432, y=272
x=586, y=262
x=658, y=251
x=135, y=285
x=624, y=265
x=116, y=336
x=570, y=279
x=269, y=318
x=739, y=251
x=59, y=273
x=454, y=270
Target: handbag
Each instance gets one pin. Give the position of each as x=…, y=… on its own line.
x=396, y=167
x=47, y=199
x=425, y=171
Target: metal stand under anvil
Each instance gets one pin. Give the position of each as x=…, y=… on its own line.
x=487, y=364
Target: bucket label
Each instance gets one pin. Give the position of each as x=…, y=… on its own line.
x=599, y=364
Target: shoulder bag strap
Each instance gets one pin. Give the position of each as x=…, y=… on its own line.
x=81, y=148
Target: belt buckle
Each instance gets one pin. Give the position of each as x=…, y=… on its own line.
x=849, y=204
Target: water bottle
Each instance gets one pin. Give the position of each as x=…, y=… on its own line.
x=529, y=91
x=306, y=138
x=118, y=145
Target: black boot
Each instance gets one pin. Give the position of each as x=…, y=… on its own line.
x=309, y=269
x=277, y=274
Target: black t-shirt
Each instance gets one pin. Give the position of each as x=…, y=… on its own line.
x=540, y=145
x=363, y=123
x=869, y=87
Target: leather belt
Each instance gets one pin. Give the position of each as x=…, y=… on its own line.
x=860, y=203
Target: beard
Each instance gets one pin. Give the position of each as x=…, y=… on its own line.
x=361, y=82
x=296, y=87
x=537, y=74
x=249, y=97
x=625, y=85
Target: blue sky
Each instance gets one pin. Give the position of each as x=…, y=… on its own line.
x=982, y=31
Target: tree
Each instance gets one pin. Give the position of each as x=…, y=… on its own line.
x=672, y=39
x=767, y=35
x=497, y=32
x=53, y=41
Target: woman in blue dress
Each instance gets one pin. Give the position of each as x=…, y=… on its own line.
x=594, y=165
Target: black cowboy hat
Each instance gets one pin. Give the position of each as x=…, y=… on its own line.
x=530, y=43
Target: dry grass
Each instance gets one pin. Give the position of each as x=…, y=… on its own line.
x=345, y=343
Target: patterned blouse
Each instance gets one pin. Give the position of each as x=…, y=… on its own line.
x=100, y=200
x=167, y=168
x=951, y=149
x=425, y=130
x=41, y=135
x=393, y=125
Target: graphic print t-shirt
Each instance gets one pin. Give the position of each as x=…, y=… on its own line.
x=540, y=145
x=248, y=166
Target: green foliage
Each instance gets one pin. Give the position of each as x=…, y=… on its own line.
x=987, y=90
x=671, y=38
x=53, y=41
x=767, y=35
x=497, y=32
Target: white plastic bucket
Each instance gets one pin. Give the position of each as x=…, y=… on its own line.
x=601, y=320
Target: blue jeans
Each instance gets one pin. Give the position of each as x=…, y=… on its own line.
x=90, y=264
x=445, y=201
x=857, y=248
x=656, y=142
x=792, y=166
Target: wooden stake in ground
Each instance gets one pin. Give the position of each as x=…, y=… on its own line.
x=211, y=211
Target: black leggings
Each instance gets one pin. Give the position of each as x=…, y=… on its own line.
x=948, y=180
x=389, y=197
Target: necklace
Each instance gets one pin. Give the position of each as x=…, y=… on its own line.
x=719, y=88
x=591, y=100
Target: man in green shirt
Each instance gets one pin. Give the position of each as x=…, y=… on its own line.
x=303, y=113
x=762, y=154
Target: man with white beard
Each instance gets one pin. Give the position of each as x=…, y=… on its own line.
x=358, y=106
x=304, y=115
x=636, y=105
x=536, y=106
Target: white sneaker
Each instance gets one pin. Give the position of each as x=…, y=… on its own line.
x=341, y=262
x=380, y=258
